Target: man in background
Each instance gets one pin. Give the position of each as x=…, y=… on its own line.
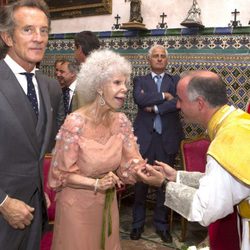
x=85, y=43
x=159, y=132
x=26, y=119
x=57, y=66
x=66, y=75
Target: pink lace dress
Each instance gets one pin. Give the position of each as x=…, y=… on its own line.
x=92, y=153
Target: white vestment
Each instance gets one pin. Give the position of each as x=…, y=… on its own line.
x=207, y=197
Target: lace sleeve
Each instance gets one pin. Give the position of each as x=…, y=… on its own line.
x=65, y=152
x=179, y=197
x=190, y=179
x=130, y=151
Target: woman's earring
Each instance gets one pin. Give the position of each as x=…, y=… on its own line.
x=101, y=100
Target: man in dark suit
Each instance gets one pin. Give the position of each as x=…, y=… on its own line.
x=159, y=132
x=26, y=121
x=57, y=107
x=66, y=75
x=85, y=42
x=57, y=65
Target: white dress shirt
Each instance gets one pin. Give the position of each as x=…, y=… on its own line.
x=17, y=69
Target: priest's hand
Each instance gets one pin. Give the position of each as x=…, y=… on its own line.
x=169, y=172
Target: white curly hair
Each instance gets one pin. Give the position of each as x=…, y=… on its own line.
x=100, y=66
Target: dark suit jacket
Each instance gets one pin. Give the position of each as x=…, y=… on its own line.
x=58, y=114
x=22, y=143
x=146, y=95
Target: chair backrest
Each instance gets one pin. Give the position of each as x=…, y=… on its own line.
x=194, y=153
x=50, y=192
x=223, y=232
x=248, y=107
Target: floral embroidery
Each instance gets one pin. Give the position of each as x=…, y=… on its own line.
x=126, y=130
x=70, y=130
x=125, y=174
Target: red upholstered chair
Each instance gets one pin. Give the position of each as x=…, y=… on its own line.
x=223, y=233
x=50, y=192
x=248, y=107
x=193, y=152
x=46, y=241
x=47, y=237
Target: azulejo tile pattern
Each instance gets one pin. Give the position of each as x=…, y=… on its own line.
x=222, y=50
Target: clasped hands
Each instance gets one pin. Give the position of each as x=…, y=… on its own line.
x=154, y=175
x=110, y=180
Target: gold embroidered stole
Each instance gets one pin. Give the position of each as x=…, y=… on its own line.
x=229, y=131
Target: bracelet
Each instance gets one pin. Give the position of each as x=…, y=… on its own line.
x=164, y=184
x=96, y=185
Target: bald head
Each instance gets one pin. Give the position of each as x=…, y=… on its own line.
x=207, y=84
x=200, y=94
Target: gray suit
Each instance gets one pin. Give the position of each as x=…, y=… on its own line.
x=23, y=143
x=58, y=114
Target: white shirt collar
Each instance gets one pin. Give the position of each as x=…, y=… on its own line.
x=14, y=66
x=72, y=86
x=154, y=74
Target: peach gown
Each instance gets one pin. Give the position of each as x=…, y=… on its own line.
x=91, y=152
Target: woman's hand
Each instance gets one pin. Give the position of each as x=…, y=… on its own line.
x=137, y=164
x=155, y=175
x=109, y=180
x=151, y=176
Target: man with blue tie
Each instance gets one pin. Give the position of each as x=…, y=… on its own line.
x=27, y=109
x=159, y=132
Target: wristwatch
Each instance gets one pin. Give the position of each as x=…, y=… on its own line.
x=164, y=184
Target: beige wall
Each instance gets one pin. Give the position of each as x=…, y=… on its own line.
x=215, y=13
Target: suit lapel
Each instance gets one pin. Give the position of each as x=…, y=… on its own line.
x=151, y=83
x=165, y=85
x=19, y=103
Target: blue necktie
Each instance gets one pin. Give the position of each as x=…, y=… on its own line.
x=66, y=98
x=31, y=93
x=157, y=120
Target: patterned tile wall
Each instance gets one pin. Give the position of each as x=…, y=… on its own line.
x=222, y=50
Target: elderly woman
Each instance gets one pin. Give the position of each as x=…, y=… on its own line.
x=95, y=151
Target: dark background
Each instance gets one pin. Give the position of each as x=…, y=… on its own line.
x=70, y=3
